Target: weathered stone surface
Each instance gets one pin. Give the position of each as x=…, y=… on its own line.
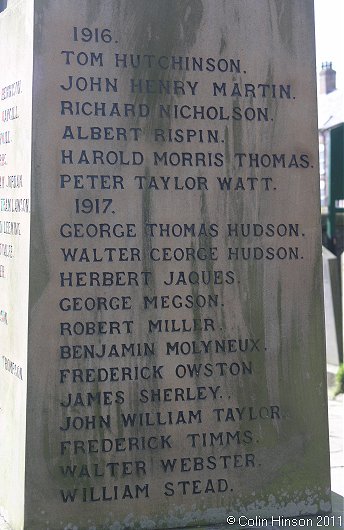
x=175, y=347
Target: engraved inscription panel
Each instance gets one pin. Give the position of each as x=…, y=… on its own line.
x=176, y=250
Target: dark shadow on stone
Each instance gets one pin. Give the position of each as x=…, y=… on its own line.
x=3, y=5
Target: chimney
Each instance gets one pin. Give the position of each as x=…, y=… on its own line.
x=327, y=78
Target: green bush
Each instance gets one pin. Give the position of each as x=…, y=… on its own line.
x=339, y=381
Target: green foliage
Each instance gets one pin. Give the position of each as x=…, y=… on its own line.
x=339, y=381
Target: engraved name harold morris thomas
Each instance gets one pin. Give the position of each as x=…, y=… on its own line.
x=161, y=264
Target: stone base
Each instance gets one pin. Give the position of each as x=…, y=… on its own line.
x=335, y=516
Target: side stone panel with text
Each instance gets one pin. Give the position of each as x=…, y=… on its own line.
x=176, y=328
x=16, y=30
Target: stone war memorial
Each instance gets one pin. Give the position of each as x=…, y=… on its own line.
x=161, y=334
